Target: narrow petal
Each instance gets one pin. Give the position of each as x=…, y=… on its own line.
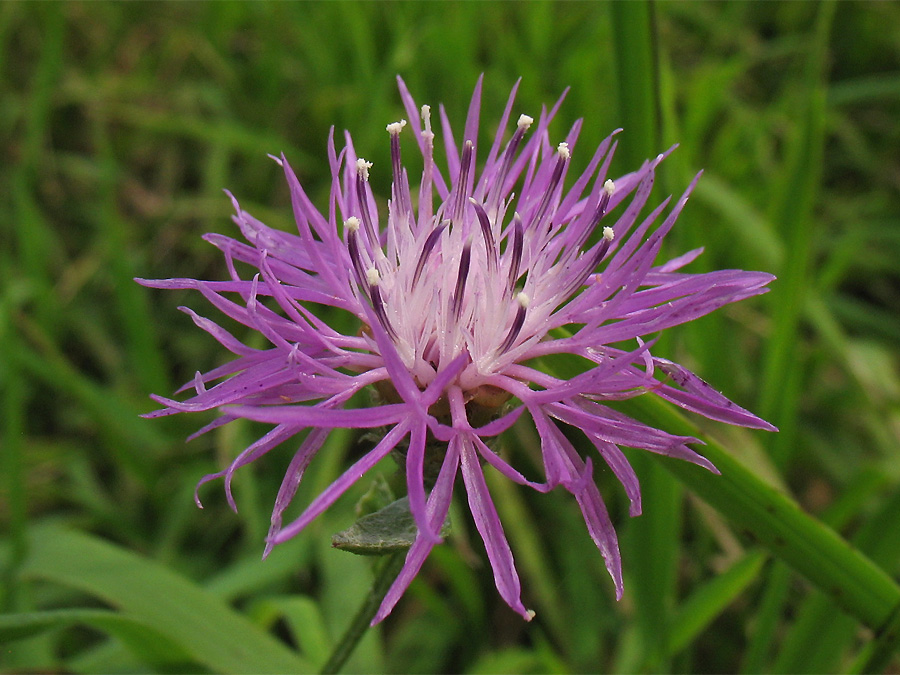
x=488, y=523
x=602, y=532
x=437, y=509
x=308, y=416
x=342, y=484
x=415, y=482
x=291, y=482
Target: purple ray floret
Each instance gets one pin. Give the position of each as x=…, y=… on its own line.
x=459, y=285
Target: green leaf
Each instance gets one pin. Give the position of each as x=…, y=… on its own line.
x=761, y=512
x=820, y=635
x=208, y=630
x=149, y=645
x=388, y=530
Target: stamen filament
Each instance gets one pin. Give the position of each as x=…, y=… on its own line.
x=362, y=177
x=352, y=225
x=394, y=130
x=563, y=156
x=508, y=154
x=425, y=206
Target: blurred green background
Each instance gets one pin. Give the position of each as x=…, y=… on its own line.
x=121, y=123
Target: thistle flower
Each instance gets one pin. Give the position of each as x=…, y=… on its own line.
x=457, y=305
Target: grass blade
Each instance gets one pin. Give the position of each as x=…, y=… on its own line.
x=209, y=630
x=760, y=512
x=792, y=216
x=651, y=542
x=150, y=646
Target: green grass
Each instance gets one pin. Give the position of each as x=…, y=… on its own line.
x=121, y=123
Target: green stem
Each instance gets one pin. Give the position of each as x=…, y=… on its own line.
x=793, y=202
x=13, y=401
x=384, y=577
x=636, y=78
x=651, y=542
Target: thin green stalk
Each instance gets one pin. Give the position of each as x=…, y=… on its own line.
x=384, y=577
x=636, y=80
x=34, y=236
x=12, y=404
x=792, y=205
x=651, y=542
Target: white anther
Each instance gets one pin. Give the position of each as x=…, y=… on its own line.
x=362, y=168
x=352, y=223
x=372, y=276
x=608, y=234
x=563, y=150
x=277, y=160
x=609, y=187
x=524, y=122
x=426, y=119
x=523, y=300
x=394, y=128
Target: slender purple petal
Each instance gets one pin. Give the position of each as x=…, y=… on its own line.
x=342, y=484
x=437, y=509
x=488, y=523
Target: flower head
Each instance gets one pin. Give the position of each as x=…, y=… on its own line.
x=457, y=303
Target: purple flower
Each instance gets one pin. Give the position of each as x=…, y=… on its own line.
x=457, y=305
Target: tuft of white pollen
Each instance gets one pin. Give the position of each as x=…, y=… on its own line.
x=394, y=128
x=426, y=119
x=352, y=223
x=372, y=276
x=524, y=300
x=609, y=187
x=362, y=168
x=563, y=150
x=524, y=121
x=608, y=234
